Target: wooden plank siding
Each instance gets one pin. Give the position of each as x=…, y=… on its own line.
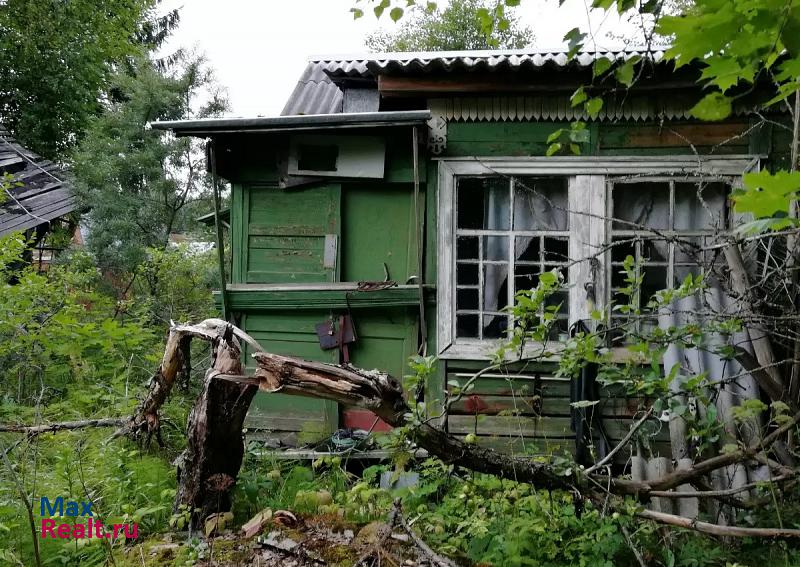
x=530, y=412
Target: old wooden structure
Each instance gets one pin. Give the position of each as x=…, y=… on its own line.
x=38, y=195
x=402, y=199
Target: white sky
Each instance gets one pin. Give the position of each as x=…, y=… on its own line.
x=259, y=48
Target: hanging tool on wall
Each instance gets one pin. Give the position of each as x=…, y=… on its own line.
x=337, y=333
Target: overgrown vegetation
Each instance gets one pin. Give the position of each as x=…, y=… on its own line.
x=71, y=348
x=70, y=351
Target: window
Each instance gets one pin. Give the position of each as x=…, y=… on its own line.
x=504, y=221
x=648, y=215
x=508, y=231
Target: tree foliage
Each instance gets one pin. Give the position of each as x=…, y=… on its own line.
x=139, y=183
x=461, y=25
x=56, y=60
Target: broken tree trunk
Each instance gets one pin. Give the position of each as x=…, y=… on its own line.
x=145, y=422
x=208, y=468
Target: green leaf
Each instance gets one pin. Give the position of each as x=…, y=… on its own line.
x=555, y=135
x=512, y=3
x=578, y=133
x=766, y=195
x=600, y=66
x=624, y=73
x=594, y=106
x=396, y=13
x=578, y=97
x=574, y=39
x=726, y=72
x=553, y=149
x=714, y=106
x=357, y=13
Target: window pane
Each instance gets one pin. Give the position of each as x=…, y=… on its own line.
x=527, y=248
x=467, y=274
x=623, y=247
x=556, y=249
x=467, y=326
x=655, y=279
x=655, y=250
x=688, y=250
x=540, y=203
x=645, y=204
x=483, y=203
x=681, y=272
x=495, y=248
x=467, y=248
x=494, y=326
x=495, y=286
x=689, y=211
x=527, y=277
x=560, y=298
x=467, y=299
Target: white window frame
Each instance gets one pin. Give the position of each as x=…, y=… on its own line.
x=588, y=201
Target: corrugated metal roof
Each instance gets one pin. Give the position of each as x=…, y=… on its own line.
x=315, y=93
x=370, y=65
x=43, y=196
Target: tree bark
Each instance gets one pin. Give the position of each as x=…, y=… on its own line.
x=208, y=468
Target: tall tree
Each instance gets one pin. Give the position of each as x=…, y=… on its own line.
x=137, y=182
x=57, y=58
x=462, y=24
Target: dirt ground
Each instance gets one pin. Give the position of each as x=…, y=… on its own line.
x=300, y=542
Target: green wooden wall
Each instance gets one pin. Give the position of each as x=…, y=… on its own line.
x=278, y=237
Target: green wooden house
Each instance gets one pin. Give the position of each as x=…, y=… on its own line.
x=412, y=193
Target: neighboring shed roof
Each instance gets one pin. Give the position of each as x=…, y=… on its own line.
x=315, y=93
x=371, y=65
x=43, y=196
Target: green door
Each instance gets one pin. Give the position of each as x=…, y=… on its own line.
x=292, y=236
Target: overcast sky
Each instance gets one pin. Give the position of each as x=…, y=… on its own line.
x=260, y=47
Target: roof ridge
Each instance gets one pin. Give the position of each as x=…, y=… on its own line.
x=477, y=54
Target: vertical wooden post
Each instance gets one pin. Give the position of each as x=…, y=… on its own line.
x=212, y=158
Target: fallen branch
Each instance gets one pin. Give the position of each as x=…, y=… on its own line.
x=63, y=426
x=383, y=395
x=716, y=529
x=430, y=554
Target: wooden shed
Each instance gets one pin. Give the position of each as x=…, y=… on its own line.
x=393, y=196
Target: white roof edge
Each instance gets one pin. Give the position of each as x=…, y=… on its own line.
x=405, y=55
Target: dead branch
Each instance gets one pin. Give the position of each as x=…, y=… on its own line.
x=383, y=395
x=63, y=426
x=715, y=529
x=145, y=422
x=430, y=554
